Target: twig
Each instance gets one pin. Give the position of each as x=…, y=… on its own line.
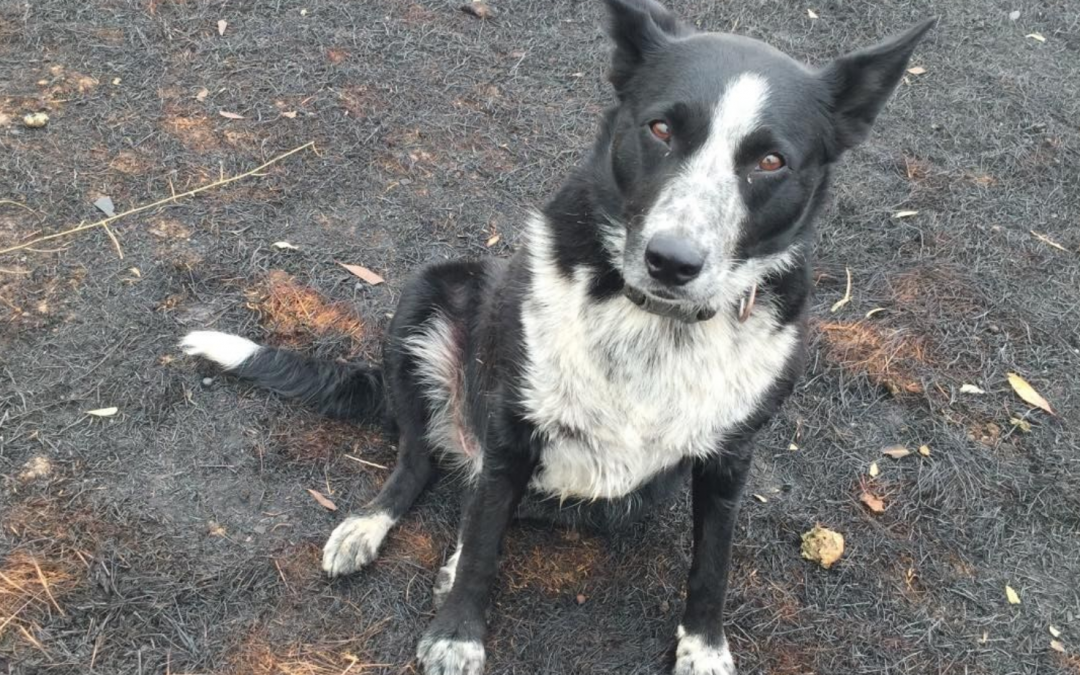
x=45, y=585
x=847, y=294
x=160, y=202
x=364, y=461
x=1047, y=240
x=20, y=205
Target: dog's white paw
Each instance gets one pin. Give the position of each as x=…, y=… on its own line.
x=355, y=543
x=228, y=351
x=695, y=657
x=444, y=580
x=446, y=656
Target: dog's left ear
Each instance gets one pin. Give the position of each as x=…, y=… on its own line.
x=638, y=28
x=861, y=82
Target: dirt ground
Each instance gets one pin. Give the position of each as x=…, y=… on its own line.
x=179, y=536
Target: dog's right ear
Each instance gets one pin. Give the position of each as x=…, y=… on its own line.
x=638, y=28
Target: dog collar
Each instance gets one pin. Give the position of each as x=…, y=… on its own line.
x=746, y=304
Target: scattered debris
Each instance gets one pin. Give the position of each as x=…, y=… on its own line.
x=1054, y=631
x=1014, y=15
x=285, y=245
x=924, y=450
x=1048, y=241
x=792, y=447
x=323, y=500
x=905, y=214
x=1021, y=424
x=103, y=412
x=116, y=81
x=874, y=470
x=202, y=94
x=37, y=467
x=971, y=389
x=215, y=529
x=230, y=115
x=760, y=498
x=1057, y=646
x=1036, y=36
x=847, y=294
x=896, y=451
x=917, y=70
x=221, y=26
x=36, y=120
x=1028, y=393
x=1011, y=595
x=479, y=9
x=811, y=13
x=872, y=502
x=823, y=546
x=290, y=114
x=875, y=311
x=494, y=239
x=581, y=598
x=364, y=273
x=105, y=205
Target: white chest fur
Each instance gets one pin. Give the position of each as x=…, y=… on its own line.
x=619, y=394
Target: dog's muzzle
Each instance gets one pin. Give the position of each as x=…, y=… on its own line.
x=683, y=312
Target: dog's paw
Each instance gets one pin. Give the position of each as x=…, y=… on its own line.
x=355, y=543
x=696, y=657
x=228, y=351
x=450, y=656
x=444, y=580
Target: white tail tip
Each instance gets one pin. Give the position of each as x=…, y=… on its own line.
x=228, y=351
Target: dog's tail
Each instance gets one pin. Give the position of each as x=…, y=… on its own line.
x=347, y=391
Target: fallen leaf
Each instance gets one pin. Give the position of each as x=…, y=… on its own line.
x=215, y=529
x=1028, y=393
x=103, y=412
x=285, y=244
x=1057, y=646
x=876, y=310
x=970, y=389
x=1036, y=36
x=1021, y=424
x=481, y=10
x=896, y=452
x=823, y=546
x=1047, y=240
x=1055, y=632
x=493, y=240
x=322, y=499
x=105, y=205
x=924, y=450
x=873, y=503
x=917, y=70
x=364, y=273
x=135, y=271
x=230, y=115
x=874, y=470
x=905, y=214
x=35, y=120
x=1011, y=595
x=221, y=26
x=760, y=498
x=202, y=94
x=793, y=447
x=811, y=13
x=847, y=294
x=290, y=114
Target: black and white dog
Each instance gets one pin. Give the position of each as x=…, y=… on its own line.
x=654, y=321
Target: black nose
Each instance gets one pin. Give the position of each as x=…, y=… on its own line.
x=672, y=261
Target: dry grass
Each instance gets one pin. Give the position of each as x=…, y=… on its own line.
x=30, y=590
x=258, y=657
x=555, y=567
x=296, y=314
x=892, y=358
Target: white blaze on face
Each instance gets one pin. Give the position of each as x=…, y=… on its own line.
x=703, y=202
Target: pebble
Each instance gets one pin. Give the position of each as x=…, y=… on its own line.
x=36, y=120
x=207, y=381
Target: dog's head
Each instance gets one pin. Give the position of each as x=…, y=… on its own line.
x=719, y=151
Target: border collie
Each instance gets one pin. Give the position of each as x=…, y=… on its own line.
x=653, y=322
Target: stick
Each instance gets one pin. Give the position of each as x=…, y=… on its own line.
x=160, y=202
x=364, y=461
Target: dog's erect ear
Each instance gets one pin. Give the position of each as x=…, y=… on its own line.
x=638, y=28
x=861, y=82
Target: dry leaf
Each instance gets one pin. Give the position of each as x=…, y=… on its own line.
x=215, y=529
x=874, y=470
x=1055, y=632
x=823, y=546
x=1020, y=423
x=792, y=447
x=230, y=115
x=873, y=503
x=847, y=294
x=917, y=70
x=202, y=94
x=1057, y=646
x=290, y=114
x=323, y=500
x=905, y=214
x=221, y=26
x=924, y=450
x=896, y=452
x=970, y=389
x=1036, y=36
x=811, y=13
x=493, y=240
x=760, y=498
x=1028, y=393
x=1011, y=596
x=364, y=273
x=285, y=244
x=103, y=412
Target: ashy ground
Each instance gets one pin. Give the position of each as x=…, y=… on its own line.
x=179, y=534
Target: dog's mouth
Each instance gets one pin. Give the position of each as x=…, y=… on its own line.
x=672, y=309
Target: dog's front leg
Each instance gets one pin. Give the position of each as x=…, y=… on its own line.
x=453, y=643
x=717, y=488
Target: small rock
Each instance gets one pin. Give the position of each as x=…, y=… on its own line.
x=823, y=546
x=36, y=120
x=1014, y=15
x=207, y=381
x=581, y=599
x=665, y=607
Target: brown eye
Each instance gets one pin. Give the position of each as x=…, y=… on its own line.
x=660, y=129
x=771, y=162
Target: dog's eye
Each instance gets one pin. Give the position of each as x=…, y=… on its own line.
x=771, y=162
x=660, y=129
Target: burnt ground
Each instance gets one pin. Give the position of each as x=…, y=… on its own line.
x=178, y=536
